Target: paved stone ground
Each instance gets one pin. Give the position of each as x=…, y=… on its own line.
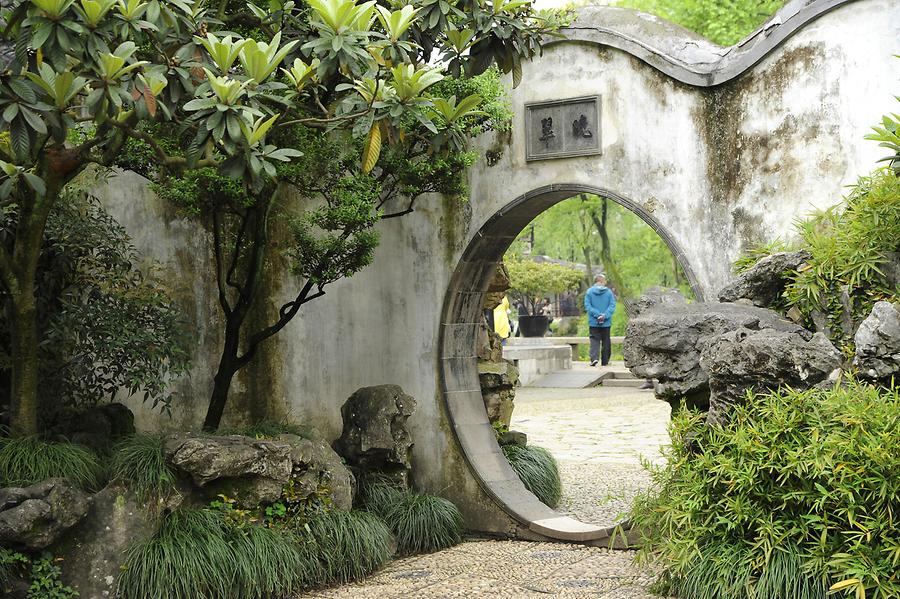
x=598, y=436
x=504, y=569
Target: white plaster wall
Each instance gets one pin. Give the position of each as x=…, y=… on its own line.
x=381, y=326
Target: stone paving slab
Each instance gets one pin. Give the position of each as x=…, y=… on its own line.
x=503, y=569
x=598, y=435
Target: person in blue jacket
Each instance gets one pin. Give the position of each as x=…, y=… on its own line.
x=600, y=303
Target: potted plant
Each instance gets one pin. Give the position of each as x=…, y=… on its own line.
x=530, y=282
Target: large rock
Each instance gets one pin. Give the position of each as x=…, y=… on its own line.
x=656, y=296
x=764, y=282
x=93, y=551
x=254, y=471
x=743, y=360
x=878, y=343
x=317, y=468
x=35, y=517
x=664, y=342
x=375, y=439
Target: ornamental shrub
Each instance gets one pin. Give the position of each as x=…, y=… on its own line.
x=538, y=470
x=28, y=461
x=421, y=523
x=798, y=492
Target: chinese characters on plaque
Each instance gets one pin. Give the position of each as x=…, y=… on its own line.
x=562, y=128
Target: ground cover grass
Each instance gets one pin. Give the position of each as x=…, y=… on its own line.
x=538, y=470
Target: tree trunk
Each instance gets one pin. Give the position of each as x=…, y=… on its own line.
x=24, y=346
x=229, y=364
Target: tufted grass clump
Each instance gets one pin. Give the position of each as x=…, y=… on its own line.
x=538, y=470
x=796, y=493
x=196, y=554
x=421, y=523
x=27, y=461
x=140, y=462
x=350, y=544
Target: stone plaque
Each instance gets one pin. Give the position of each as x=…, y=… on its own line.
x=562, y=128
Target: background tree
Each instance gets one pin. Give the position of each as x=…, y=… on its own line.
x=724, y=22
x=82, y=79
x=369, y=129
x=531, y=281
x=104, y=326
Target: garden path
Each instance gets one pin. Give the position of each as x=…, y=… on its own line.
x=599, y=436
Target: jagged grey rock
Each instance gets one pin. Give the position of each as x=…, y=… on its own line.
x=664, y=342
x=375, y=438
x=764, y=282
x=656, y=296
x=878, y=343
x=743, y=360
x=317, y=468
x=93, y=551
x=254, y=471
x=35, y=517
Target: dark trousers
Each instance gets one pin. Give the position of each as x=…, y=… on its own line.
x=600, y=336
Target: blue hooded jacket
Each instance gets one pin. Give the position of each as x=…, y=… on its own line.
x=599, y=300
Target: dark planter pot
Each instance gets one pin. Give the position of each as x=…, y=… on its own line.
x=534, y=326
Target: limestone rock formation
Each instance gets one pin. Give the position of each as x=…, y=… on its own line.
x=498, y=380
x=316, y=466
x=35, y=517
x=93, y=551
x=375, y=438
x=665, y=341
x=497, y=377
x=656, y=296
x=742, y=360
x=253, y=471
x=764, y=282
x=878, y=343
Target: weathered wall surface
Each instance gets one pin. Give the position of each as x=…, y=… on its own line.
x=718, y=168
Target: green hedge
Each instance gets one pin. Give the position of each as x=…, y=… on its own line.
x=800, y=491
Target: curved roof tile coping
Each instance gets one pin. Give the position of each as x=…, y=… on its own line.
x=682, y=54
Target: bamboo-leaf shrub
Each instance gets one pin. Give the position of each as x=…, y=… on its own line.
x=851, y=245
x=799, y=491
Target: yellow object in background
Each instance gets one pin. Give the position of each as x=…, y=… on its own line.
x=501, y=318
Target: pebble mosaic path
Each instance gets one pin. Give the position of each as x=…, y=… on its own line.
x=599, y=437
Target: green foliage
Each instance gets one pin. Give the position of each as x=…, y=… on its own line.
x=105, y=326
x=538, y=470
x=528, y=279
x=188, y=558
x=725, y=23
x=140, y=463
x=849, y=244
x=350, y=544
x=420, y=523
x=12, y=563
x=198, y=554
x=45, y=581
x=637, y=258
x=888, y=136
x=797, y=492
x=26, y=461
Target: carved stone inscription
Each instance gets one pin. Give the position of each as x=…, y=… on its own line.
x=562, y=128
